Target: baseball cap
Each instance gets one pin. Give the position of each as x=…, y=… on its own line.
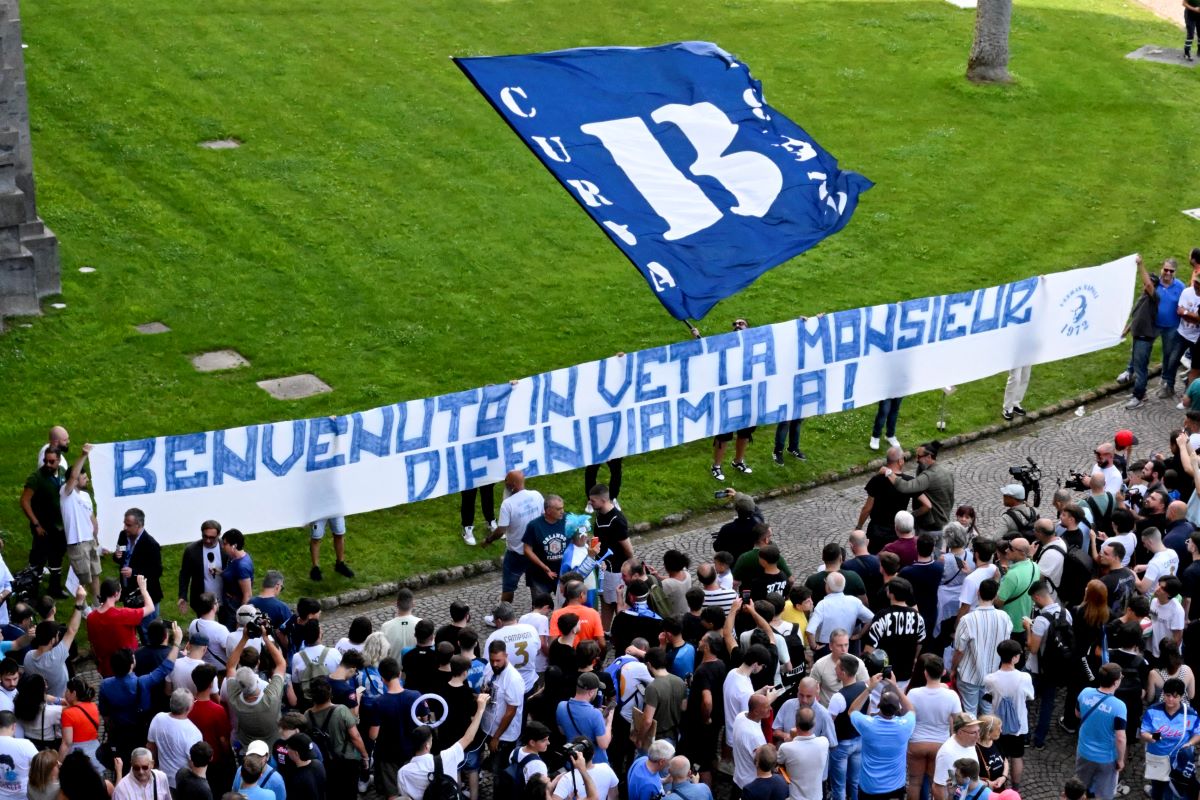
x=962, y=720
x=743, y=502
x=258, y=748
x=1014, y=490
x=246, y=613
x=1124, y=438
x=587, y=680
x=301, y=744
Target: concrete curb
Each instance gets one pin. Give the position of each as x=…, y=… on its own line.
x=463, y=571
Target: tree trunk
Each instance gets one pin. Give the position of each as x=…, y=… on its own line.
x=989, y=52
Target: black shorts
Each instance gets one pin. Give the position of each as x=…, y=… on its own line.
x=1012, y=745
x=895, y=794
x=744, y=433
x=1194, y=347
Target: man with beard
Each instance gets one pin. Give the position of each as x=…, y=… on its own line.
x=884, y=500
x=933, y=480
x=40, y=500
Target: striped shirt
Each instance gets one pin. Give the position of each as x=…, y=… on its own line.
x=719, y=598
x=977, y=636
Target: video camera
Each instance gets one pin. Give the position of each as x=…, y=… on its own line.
x=1030, y=477
x=1078, y=481
x=24, y=586
x=259, y=626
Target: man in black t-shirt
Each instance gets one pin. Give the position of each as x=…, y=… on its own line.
x=898, y=630
x=545, y=543
x=305, y=775
x=704, y=716
x=883, y=501
x=768, y=578
x=612, y=529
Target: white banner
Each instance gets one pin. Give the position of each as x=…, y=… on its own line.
x=286, y=474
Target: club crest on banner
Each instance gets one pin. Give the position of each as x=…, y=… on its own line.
x=674, y=153
x=1074, y=308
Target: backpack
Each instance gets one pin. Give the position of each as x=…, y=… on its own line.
x=442, y=786
x=511, y=780
x=658, y=601
x=1077, y=571
x=1058, y=645
x=321, y=737
x=1024, y=522
x=1010, y=719
x=1101, y=523
x=312, y=669
x=614, y=672
x=795, y=645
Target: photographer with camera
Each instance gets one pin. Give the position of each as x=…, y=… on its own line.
x=1018, y=516
x=110, y=628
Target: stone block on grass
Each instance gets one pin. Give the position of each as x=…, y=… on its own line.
x=294, y=387
x=1161, y=55
x=217, y=360
x=150, y=328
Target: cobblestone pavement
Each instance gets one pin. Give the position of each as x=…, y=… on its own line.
x=804, y=522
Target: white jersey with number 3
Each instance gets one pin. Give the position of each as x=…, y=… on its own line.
x=522, y=643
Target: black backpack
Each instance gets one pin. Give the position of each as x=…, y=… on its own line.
x=1101, y=523
x=511, y=780
x=442, y=786
x=321, y=737
x=795, y=645
x=1024, y=522
x=1077, y=571
x=1058, y=644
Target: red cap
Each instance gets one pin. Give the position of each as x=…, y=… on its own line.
x=1124, y=439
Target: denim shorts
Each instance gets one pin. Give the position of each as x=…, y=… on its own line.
x=511, y=572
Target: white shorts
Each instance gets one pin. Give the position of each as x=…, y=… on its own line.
x=336, y=524
x=612, y=585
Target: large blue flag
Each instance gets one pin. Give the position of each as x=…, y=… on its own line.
x=674, y=153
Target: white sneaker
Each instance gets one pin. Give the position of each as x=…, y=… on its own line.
x=1124, y=377
x=492, y=525
x=1133, y=403
x=489, y=620
x=893, y=441
x=469, y=535
x=1180, y=406
x=588, y=508
x=874, y=443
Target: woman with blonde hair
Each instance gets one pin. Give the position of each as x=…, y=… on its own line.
x=375, y=648
x=993, y=766
x=43, y=776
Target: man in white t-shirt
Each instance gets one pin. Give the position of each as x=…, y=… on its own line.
x=1011, y=688
x=413, y=777
x=574, y=785
x=984, y=550
x=747, y=738
x=172, y=735
x=1163, y=562
x=1105, y=466
x=401, y=629
x=521, y=641
x=205, y=626
x=519, y=508
x=1167, y=613
x=738, y=689
x=80, y=526
x=1051, y=555
x=193, y=656
x=15, y=755
x=312, y=650
x=1189, y=326
x=961, y=744
x=539, y=620
x=805, y=758
x=502, y=719
x=59, y=439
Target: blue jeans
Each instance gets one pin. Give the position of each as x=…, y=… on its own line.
x=888, y=410
x=972, y=698
x=1139, y=364
x=1172, y=351
x=845, y=762
x=789, y=431
x=1046, y=690
x=513, y=568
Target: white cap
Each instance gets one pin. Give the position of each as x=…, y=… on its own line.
x=1014, y=490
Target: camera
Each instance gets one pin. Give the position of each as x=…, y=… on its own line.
x=24, y=586
x=1030, y=477
x=259, y=626
x=1078, y=481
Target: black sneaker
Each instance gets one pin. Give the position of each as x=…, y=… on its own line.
x=777, y=458
x=341, y=568
x=314, y=574
x=1007, y=413
x=799, y=454
x=717, y=472
x=742, y=466
x=1020, y=412
x=1039, y=745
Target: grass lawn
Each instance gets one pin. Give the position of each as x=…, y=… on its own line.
x=382, y=228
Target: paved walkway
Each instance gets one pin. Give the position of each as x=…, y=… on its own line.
x=804, y=523
x=1170, y=10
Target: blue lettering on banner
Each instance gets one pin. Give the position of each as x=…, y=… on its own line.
x=282, y=468
x=758, y=347
x=317, y=428
x=981, y=323
x=848, y=322
x=642, y=392
x=881, y=340
x=686, y=412
x=189, y=443
x=768, y=416
x=933, y=318
x=493, y=411
x=561, y=404
x=476, y=474
x=818, y=336
x=1016, y=302
x=735, y=396
x=227, y=462
x=455, y=402
x=808, y=389
x=848, y=392
x=421, y=440
x=147, y=481
x=948, y=328
x=912, y=330
x=557, y=453
x=652, y=430
x=614, y=398
x=451, y=472
x=514, y=458
x=363, y=440
x=431, y=462
x=612, y=421
x=683, y=352
x=720, y=344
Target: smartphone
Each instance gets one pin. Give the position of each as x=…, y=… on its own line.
x=887, y=672
x=745, y=596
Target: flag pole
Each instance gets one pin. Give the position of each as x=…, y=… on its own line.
x=692, y=329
